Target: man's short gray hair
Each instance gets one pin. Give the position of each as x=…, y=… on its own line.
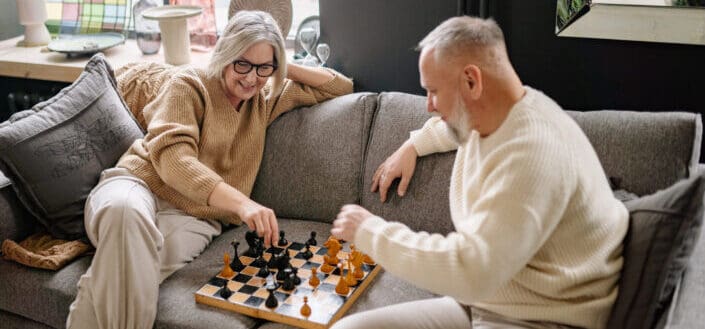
x=462, y=34
x=245, y=29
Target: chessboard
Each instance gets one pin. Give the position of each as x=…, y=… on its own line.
x=246, y=288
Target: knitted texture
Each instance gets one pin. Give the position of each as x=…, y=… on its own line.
x=538, y=232
x=195, y=138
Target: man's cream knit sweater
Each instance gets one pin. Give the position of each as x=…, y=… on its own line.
x=538, y=231
x=196, y=138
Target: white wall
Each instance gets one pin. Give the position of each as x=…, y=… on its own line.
x=9, y=24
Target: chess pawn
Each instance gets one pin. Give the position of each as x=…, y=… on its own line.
x=227, y=271
x=226, y=292
x=282, y=240
x=314, y=281
x=312, y=240
x=307, y=254
x=367, y=259
x=271, y=301
x=305, y=309
x=342, y=287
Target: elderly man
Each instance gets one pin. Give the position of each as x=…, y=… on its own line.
x=538, y=233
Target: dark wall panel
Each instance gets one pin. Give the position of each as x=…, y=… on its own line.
x=591, y=74
x=373, y=41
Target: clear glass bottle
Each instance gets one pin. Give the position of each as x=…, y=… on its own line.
x=148, y=37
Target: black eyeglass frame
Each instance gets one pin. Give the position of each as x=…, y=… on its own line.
x=256, y=67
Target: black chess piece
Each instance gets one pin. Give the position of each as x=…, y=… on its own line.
x=226, y=292
x=283, y=273
x=236, y=264
x=271, y=301
x=295, y=272
x=288, y=284
x=273, y=261
x=284, y=259
x=251, y=239
x=307, y=254
x=282, y=240
x=312, y=240
x=263, y=271
x=259, y=262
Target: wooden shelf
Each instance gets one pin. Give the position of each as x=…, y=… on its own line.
x=41, y=64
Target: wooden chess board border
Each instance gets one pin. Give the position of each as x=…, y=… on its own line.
x=271, y=315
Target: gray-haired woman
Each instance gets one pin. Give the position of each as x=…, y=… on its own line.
x=164, y=201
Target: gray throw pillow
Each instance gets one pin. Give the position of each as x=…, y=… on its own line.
x=54, y=152
x=663, y=230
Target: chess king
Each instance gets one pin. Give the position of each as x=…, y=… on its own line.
x=538, y=232
x=164, y=201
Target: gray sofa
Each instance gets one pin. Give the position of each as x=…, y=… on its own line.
x=319, y=158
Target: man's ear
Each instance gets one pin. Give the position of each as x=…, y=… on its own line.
x=472, y=81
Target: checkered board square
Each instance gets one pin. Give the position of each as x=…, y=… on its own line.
x=249, y=292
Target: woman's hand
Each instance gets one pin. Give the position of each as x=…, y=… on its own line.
x=310, y=76
x=253, y=214
x=261, y=219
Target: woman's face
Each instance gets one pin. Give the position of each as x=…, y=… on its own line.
x=258, y=58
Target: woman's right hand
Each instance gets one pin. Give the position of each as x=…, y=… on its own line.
x=256, y=216
x=260, y=219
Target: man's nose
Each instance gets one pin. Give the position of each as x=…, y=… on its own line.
x=429, y=106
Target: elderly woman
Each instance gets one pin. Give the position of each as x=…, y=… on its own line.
x=164, y=201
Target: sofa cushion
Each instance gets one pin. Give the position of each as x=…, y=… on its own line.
x=312, y=160
x=54, y=153
x=646, y=152
x=425, y=205
x=663, y=230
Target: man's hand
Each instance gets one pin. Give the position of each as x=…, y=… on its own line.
x=400, y=164
x=348, y=220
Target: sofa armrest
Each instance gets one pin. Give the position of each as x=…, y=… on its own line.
x=686, y=311
x=15, y=222
x=700, y=168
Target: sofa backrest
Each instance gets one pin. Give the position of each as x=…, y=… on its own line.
x=425, y=205
x=644, y=151
x=312, y=160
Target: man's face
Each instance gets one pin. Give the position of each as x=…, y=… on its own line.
x=442, y=84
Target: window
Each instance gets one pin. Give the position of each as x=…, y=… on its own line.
x=301, y=10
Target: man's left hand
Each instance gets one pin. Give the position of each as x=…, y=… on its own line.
x=348, y=220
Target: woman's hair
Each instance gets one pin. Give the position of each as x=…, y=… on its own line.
x=245, y=29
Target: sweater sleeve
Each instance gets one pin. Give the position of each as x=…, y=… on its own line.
x=434, y=137
x=173, y=137
x=295, y=94
x=522, y=200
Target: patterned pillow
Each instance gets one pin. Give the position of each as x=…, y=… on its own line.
x=664, y=228
x=54, y=152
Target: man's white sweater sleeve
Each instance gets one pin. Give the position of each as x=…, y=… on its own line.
x=522, y=200
x=434, y=137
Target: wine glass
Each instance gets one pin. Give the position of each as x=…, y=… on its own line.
x=323, y=51
x=308, y=37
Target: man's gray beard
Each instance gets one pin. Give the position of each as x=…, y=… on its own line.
x=460, y=130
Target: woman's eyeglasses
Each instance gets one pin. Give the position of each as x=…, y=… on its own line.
x=262, y=70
